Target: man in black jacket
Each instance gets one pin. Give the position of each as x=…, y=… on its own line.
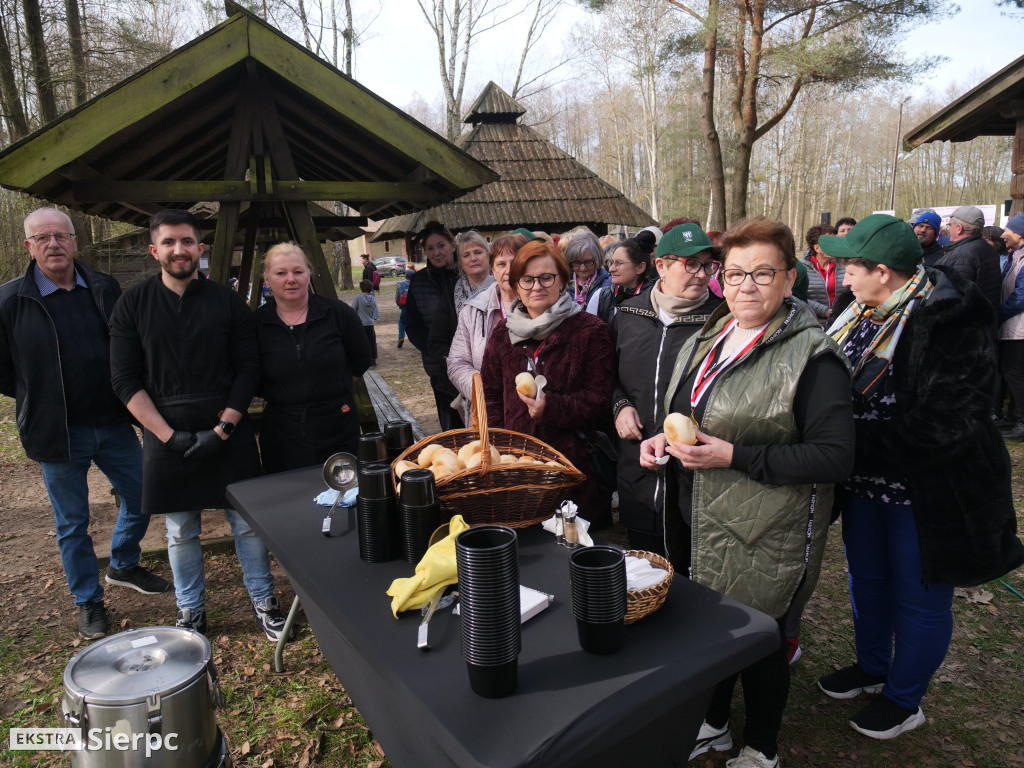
x=54, y=360
x=926, y=227
x=971, y=255
x=183, y=358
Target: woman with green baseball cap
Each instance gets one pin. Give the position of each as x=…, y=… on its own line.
x=928, y=506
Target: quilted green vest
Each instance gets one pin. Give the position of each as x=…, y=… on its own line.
x=750, y=539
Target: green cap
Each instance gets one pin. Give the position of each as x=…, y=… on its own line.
x=525, y=233
x=879, y=238
x=684, y=241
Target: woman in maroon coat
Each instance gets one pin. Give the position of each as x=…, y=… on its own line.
x=547, y=333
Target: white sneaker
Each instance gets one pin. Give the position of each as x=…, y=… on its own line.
x=711, y=739
x=751, y=758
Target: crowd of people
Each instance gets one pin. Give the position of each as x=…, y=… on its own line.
x=863, y=380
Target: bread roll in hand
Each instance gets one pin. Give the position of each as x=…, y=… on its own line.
x=526, y=385
x=680, y=429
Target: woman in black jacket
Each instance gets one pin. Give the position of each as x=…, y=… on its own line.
x=429, y=290
x=648, y=331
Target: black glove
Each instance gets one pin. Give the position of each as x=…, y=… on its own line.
x=208, y=443
x=181, y=441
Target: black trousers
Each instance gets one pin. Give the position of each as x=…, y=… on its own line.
x=1011, y=366
x=765, y=692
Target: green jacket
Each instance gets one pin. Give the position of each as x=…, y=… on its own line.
x=749, y=539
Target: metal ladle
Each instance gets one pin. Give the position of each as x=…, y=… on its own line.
x=340, y=473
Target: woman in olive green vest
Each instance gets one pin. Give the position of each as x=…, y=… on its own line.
x=765, y=388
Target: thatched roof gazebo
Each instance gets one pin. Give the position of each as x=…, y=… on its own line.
x=541, y=187
x=994, y=107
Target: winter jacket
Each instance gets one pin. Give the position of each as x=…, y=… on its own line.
x=1011, y=309
x=476, y=321
x=577, y=360
x=978, y=262
x=933, y=254
x=605, y=302
x=817, y=292
x=943, y=439
x=645, y=351
x=365, y=306
x=759, y=526
x=30, y=360
x=428, y=288
x=601, y=279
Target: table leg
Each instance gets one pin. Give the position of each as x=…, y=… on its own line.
x=279, y=651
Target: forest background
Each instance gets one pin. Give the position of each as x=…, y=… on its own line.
x=713, y=110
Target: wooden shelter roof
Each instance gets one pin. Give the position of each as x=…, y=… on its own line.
x=991, y=108
x=541, y=187
x=242, y=116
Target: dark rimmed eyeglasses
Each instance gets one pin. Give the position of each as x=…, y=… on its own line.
x=527, y=281
x=760, y=276
x=693, y=266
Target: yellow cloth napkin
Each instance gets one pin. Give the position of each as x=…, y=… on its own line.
x=434, y=572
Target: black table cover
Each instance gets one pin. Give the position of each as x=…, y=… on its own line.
x=640, y=706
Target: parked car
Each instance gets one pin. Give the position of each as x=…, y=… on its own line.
x=390, y=266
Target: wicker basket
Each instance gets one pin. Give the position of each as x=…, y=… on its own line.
x=642, y=602
x=516, y=495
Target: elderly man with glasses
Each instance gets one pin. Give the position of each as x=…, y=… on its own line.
x=55, y=362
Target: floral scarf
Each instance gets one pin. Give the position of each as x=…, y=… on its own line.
x=892, y=315
x=464, y=290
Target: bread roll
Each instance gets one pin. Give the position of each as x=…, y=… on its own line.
x=404, y=466
x=507, y=458
x=426, y=457
x=526, y=385
x=467, y=451
x=474, y=461
x=495, y=456
x=447, y=459
x=680, y=429
x=439, y=471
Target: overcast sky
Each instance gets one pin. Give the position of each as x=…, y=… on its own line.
x=399, y=59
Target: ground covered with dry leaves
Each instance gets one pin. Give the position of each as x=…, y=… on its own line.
x=974, y=709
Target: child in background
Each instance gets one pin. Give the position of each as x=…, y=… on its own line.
x=365, y=306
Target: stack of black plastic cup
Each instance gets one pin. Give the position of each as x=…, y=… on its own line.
x=598, y=579
x=419, y=513
x=397, y=437
x=372, y=448
x=377, y=514
x=488, y=563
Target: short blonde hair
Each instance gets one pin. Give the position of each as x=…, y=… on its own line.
x=471, y=237
x=279, y=250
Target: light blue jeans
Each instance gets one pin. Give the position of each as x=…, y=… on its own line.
x=115, y=449
x=185, y=554
x=902, y=625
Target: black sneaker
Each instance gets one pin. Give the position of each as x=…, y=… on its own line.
x=849, y=682
x=884, y=719
x=189, y=618
x=1015, y=433
x=138, y=578
x=271, y=619
x=92, y=620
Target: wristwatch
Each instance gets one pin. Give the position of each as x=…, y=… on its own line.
x=226, y=427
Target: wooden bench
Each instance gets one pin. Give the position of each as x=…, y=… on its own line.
x=384, y=406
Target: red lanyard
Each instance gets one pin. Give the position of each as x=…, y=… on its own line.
x=640, y=285
x=532, y=364
x=710, y=369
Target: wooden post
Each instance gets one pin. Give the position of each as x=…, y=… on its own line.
x=1017, y=169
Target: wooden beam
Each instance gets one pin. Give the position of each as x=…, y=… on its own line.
x=185, y=191
x=235, y=166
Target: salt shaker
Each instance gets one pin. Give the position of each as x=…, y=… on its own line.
x=559, y=529
x=572, y=539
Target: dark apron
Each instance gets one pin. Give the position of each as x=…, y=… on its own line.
x=296, y=436
x=172, y=483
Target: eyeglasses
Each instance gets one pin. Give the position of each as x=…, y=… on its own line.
x=760, y=276
x=582, y=264
x=546, y=281
x=62, y=237
x=693, y=266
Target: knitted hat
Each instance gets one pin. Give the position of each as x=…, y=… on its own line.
x=879, y=238
x=931, y=218
x=1016, y=224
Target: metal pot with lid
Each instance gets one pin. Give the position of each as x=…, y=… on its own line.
x=145, y=697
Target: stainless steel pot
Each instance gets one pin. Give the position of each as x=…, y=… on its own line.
x=145, y=697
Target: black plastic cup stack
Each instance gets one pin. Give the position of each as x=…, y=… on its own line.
x=598, y=579
x=419, y=513
x=372, y=448
x=377, y=513
x=397, y=437
x=488, y=563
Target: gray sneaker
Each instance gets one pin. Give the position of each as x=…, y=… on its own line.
x=138, y=578
x=271, y=619
x=192, y=618
x=92, y=620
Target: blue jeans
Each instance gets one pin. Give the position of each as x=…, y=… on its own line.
x=115, y=449
x=401, y=324
x=185, y=554
x=891, y=602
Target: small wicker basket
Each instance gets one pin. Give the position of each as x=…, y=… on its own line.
x=516, y=495
x=643, y=602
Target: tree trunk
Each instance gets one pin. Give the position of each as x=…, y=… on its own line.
x=77, y=51
x=14, y=113
x=712, y=144
x=40, y=65
x=350, y=39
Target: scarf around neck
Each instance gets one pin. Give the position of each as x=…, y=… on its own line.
x=522, y=327
x=673, y=305
x=892, y=315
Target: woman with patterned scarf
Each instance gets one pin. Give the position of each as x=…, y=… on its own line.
x=928, y=506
